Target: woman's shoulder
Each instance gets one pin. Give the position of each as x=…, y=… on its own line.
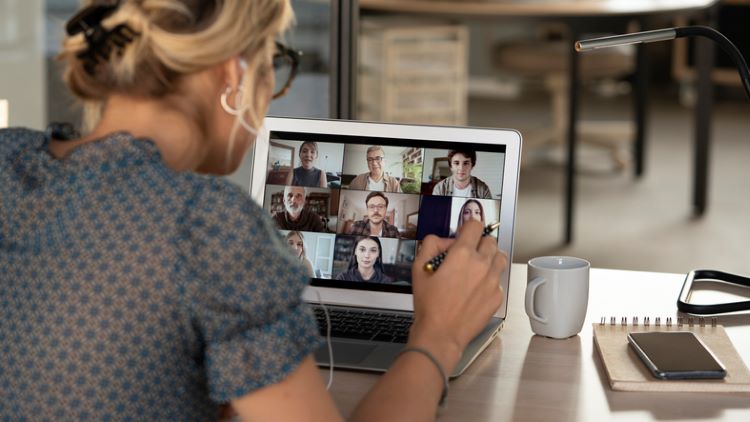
x=345, y=275
x=17, y=138
x=215, y=194
x=383, y=277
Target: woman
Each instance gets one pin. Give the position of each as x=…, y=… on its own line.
x=471, y=210
x=297, y=242
x=366, y=263
x=307, y=174
x=138, y=286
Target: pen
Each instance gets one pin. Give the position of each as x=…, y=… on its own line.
x=433, y=264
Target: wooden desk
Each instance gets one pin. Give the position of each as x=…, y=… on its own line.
x=530, y=378
x=597, y=16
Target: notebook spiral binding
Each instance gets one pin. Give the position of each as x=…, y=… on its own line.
x=669, y=322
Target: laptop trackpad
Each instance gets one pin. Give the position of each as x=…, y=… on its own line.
x=345, y=353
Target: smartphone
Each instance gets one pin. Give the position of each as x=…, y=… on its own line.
x=676, y=355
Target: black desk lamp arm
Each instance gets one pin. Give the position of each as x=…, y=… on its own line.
x=726, y=45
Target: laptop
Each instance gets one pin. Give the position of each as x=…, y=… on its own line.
x=358, y=236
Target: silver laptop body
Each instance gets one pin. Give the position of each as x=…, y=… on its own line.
x=415, y=157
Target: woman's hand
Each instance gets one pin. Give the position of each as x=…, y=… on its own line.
x=453, y=304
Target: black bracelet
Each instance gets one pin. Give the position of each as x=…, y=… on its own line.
x=437, y=365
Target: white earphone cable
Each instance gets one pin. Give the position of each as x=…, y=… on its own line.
x=328, y=340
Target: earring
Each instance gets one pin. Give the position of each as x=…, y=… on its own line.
x=233, y=111
x=225, y=104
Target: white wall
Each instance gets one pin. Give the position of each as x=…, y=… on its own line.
x=22, y=66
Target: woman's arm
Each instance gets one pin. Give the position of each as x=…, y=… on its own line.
x=451, y=306
x=299, y=397
x=288, y=181
x=308, y=265
x=409, y=391
x=323, y=179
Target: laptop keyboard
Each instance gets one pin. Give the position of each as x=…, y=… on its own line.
x=364, y=324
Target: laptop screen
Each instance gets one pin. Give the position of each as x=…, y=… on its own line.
x=355, y=209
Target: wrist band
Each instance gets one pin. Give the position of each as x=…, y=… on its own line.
x=437, y=365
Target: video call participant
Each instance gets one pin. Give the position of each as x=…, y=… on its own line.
x=297, y=242
x=471, y=210
x=295, y=216
x=366, y=263
x=307, y=174
x=375, y=224
x=375, y=179
x=461, y=182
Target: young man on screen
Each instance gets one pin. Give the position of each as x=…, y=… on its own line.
x=461, y=182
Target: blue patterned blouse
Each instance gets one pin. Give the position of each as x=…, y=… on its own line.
x=131, y=292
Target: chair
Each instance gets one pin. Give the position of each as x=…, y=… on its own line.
x=547, y=60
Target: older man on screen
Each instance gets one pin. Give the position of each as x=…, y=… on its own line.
x=375, y=224
x=461, y=182
x=375, y=179
x=295, y=216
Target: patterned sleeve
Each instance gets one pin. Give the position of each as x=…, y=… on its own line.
x=243, y=292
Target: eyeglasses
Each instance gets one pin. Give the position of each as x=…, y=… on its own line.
x=374, y=159
x=285, y=66
x=380, y=207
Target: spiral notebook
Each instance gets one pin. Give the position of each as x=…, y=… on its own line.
x=626, y=372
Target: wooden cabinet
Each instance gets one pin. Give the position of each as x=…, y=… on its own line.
x=278, y=177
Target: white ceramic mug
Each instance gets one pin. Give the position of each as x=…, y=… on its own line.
x=557, y=295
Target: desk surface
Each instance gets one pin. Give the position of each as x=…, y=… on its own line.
x=530, y=378
x=536, y=7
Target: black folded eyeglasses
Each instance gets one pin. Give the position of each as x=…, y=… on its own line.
x=285, y=65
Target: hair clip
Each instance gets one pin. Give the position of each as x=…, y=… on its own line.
x=61, y=131
x=100, y=41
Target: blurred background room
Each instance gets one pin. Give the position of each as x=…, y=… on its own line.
x=507, y=63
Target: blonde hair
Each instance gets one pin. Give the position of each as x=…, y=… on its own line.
x=176, y=38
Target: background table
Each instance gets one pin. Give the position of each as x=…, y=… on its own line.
x=586, y=16
x=531, y=378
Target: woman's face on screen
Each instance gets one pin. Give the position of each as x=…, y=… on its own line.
x=307, y=156
x=472, y=212
x=367, y=253
x=296, y=244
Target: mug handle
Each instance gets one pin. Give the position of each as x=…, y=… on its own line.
x=530, y=293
